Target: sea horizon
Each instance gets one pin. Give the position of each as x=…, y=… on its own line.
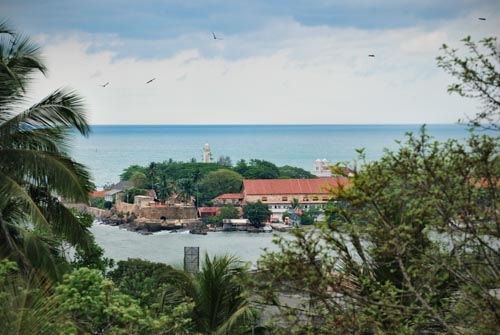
x=111, y=148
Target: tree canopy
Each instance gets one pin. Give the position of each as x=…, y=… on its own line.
x=478, y=77
x=256, y=212
x=219, y=182
x=411, y=247
x=35, y=168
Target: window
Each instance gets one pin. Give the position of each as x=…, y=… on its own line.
x=284, y=198
x=325, y=198
x=264, y=198
x=305, y=199
x=315, y=198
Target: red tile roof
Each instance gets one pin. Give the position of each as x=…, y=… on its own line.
x=292, y=186
x=97, y=194
x=229, y=196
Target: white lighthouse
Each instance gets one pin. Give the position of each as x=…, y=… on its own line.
x=206, y=153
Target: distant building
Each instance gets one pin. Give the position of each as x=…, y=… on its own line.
x=279, y=193
x=228, y=198
x=321, y=168
x=206, y=153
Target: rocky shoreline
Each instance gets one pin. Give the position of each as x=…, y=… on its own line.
x=138, y=224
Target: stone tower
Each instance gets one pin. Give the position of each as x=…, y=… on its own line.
x=206, y=153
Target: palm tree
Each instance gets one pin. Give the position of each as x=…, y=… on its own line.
x=186, y=188
x=221, y=301
x=28, y=304
x=35, y=168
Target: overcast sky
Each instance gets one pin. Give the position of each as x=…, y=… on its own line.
x=273, y=62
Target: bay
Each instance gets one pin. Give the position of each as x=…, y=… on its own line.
x=112, y=148
x=168, y=248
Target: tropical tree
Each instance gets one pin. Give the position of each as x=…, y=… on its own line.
x=186, y=189
x=256, y=212
x=221, y=304
x=257, y=169
x=219, y=182
x=35, y=168
x=478, y=77
x=411, y=248
x=291, y=172
x=96, y=306
x=27, y=304
x=164, y=187
x=229, y=212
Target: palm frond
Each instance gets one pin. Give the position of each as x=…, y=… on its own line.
x=61, y=109
x=10, y=190
x=64, y=176
x=28, y=305
x=65, y=225
x=19, y=59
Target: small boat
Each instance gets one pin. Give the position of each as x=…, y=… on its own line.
x=268, y=229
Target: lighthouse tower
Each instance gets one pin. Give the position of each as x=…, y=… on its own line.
x=206, y=153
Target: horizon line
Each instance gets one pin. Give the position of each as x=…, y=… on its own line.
x=274, y=124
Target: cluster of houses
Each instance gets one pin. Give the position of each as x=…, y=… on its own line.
x=277, y=194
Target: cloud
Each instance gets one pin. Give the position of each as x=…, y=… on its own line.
x=285, y=72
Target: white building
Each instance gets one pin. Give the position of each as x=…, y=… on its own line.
x=206, y=153
x=321, y=168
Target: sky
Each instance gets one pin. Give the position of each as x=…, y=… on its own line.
x=272, y=62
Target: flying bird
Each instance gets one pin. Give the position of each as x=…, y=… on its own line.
x=150, y=80
x=481, y=18
x=371, y=55
x=107, y=83
x=215, y=37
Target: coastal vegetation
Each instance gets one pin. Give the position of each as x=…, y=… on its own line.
x=410, y=248
x=35, y=168
x=204, y=181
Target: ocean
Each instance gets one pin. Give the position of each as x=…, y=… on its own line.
x=112, y=148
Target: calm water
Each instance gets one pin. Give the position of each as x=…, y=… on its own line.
x=168, y=248
x=110, y=149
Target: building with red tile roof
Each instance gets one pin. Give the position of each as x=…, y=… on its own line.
x=97, y=194
x=228, y=198
x=279, y=193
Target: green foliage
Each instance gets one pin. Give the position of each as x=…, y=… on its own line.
x=97, y=202
x=142, y=280
x=185, y=189
x=306, y=218
x=219, y=182
x=96, y=306
x=100, y=203
x=257, y=169
x=219, y=295
x=130, y=193
x=35, y=169
x=215, y=220
x=256, y=213
x=27, y=305
x=477, y=76
x=128, y=172
x=91, y=257
x=224, y=161
x=229, y=212
x=407, y=248
x=291, y=172
x=139, y=180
